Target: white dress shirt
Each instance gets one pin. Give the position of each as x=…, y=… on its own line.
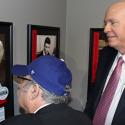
x=43, y=52
x=42, y=107
x=119, y=89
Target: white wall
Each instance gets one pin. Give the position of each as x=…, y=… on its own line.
x=37, y=12
x=81, y=16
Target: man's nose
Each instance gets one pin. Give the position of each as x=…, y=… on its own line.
x=107, y=28
x=19, y=85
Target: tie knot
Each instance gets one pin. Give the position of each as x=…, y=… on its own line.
x=120, y=60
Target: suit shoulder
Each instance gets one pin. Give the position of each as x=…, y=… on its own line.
x=18, y=120
x=108, y=49
x=79, y=116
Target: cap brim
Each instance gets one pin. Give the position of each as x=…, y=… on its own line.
x=19, y=70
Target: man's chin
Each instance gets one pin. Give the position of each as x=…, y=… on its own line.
x=112, y=43
x=22, y=111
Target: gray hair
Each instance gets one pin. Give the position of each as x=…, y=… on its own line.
x=46, y=95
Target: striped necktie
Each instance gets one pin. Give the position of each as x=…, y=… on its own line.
x=106, y=99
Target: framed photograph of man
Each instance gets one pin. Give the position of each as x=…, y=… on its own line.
x=42, y=40
x=6, y=77
x=98, y=40
x=46, y=45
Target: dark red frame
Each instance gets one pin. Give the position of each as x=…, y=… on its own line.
x=96, y=34
x=32, y=31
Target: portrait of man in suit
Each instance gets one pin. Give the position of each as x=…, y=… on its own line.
x=45, y=51
x=46, y=45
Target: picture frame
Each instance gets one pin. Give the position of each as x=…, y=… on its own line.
x=98, y=40
x=36, y=37
x=6, y=63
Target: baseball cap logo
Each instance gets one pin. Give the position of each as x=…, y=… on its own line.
x=32, y=72
x=65, y=94
x=62, y=60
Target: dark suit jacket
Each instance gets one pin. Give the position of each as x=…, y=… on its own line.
x=54, y=114
x=41, y=54
x=106, y=60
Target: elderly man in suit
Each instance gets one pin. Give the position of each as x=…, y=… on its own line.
x=106, y=101
x=44, y=87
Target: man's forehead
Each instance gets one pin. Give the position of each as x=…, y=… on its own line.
x=116, y=8
x=114, y=13
x=47, y=44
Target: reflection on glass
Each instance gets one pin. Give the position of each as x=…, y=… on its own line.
x=2, y=59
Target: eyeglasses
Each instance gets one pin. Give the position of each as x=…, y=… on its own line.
x=20, y=79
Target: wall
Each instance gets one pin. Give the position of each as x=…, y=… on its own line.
x=81, y=16
x=37, y=12
x=75, y=18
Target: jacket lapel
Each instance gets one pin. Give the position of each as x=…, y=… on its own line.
x=107, y=66
x=120, y=106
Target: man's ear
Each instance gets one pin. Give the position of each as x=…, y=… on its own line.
x=34, y=91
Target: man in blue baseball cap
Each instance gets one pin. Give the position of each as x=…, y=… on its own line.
x=44, y=87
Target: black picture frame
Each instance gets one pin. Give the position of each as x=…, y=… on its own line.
x=6, y=77
x=98, y=40
x=35, y=32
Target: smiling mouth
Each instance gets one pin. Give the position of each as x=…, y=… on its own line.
x=110, y=37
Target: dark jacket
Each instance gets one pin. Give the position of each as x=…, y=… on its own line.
x=41, y=54
x=106, y=60
x=54, y=114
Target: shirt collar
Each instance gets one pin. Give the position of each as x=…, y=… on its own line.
x=44, y=52
x=123, y=56
x=42, y=107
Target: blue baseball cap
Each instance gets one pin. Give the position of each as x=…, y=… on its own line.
x=49, y=72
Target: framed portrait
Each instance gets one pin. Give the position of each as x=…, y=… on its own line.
x=42, y=40
x=98, y=40
x=6, y=77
